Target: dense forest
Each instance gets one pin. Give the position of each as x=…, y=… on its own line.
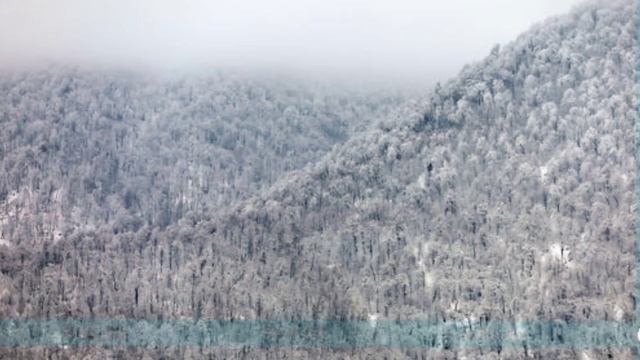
x=118, y=151
x=507, y=194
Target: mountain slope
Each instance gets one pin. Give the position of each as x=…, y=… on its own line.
x=507, y=196
x=117, y=151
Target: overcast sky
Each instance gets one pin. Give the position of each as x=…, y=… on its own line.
x=417, y=38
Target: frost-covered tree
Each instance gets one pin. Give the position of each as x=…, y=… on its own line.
x=507, y=195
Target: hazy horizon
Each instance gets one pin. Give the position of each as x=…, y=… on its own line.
x=407, y=40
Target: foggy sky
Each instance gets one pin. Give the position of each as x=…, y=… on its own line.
x=409, y=38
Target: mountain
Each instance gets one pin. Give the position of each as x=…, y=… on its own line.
x=508, y=195
x=115, y=151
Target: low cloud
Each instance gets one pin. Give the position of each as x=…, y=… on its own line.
x=407, y=38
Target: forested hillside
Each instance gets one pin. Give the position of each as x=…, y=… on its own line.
x=113, y=152
x=507, y=195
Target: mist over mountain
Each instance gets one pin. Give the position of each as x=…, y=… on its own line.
x=507, y=194
x=409, y=40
